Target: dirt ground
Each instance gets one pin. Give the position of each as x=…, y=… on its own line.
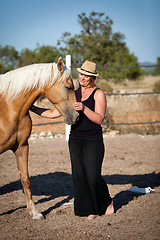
x=129, y=160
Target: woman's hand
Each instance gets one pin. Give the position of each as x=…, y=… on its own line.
x=78, y=106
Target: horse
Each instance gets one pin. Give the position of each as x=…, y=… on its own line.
x=19, y=89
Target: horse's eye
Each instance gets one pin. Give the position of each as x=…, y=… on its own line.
x=70, y=87
x=68, y=83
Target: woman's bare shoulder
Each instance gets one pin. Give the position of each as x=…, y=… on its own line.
x=99, y=93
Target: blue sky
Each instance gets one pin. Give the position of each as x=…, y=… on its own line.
x=24, y=23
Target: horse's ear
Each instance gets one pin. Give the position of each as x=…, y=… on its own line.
x=60, y=65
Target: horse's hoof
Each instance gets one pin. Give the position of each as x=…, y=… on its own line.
x=38, y=216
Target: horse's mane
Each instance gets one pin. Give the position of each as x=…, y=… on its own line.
x=29, y=77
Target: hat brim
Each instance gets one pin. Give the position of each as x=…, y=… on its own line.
x=87, y=73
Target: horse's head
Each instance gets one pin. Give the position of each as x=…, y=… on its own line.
x=62, y=94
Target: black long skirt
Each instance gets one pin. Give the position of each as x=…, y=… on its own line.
x=91, y=195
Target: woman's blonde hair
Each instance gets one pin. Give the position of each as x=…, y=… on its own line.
x=93, y=81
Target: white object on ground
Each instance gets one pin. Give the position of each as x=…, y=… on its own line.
x=69, y=203
x=141, y=190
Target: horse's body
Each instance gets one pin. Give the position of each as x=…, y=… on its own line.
x=19, y=89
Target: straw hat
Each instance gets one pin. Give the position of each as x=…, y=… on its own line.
x=88, y=68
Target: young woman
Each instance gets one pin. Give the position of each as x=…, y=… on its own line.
x=87, y=149
x=86, y=146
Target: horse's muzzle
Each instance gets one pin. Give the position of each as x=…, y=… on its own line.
x=71, y=117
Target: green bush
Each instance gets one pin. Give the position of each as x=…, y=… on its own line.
x=156, y=87
x=105, y=86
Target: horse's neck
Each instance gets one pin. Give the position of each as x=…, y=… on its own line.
x=25, y=100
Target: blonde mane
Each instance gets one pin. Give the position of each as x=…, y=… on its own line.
x=28, y=78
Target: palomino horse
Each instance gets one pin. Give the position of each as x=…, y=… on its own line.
x=19, y=89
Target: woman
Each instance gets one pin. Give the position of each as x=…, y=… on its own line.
x=86, y=146
x=87, y=149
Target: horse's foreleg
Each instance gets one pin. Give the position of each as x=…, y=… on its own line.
x=22, y=163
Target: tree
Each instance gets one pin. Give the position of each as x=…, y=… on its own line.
x=46, y=54
x=43, y=54
x=157, y=69
x=27, y=57
x=8, y=58
x=98, y=43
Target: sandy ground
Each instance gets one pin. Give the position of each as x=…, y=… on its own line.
x=129, y=160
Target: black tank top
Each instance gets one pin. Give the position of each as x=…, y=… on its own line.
x=85, y=128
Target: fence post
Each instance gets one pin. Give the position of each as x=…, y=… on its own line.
x=68, y=127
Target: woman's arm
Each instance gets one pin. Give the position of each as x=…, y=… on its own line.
x=46, y=113
x=98, y=115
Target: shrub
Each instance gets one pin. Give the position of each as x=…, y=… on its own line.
x=104, y=85
x=156, y=87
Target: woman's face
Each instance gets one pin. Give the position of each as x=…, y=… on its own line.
x=85, y=80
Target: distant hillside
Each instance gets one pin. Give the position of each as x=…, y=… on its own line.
x=147, y=69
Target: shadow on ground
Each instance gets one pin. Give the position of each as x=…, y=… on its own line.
x=59, y=184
